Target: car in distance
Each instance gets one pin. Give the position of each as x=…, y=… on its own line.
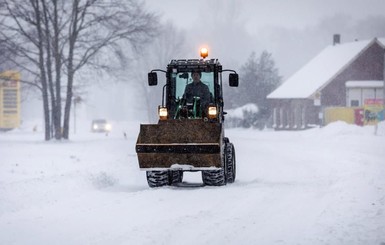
x=100, y=126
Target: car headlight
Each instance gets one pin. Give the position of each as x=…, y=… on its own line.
x=212, y=112
x=108, y=127
x=163, y=113
x=95, y=127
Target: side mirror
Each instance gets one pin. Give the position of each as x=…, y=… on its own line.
x=152, y=79
x=233, y=80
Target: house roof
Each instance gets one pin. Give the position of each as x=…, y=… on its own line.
x=321, y=70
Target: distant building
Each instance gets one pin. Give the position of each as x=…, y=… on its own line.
x=342, y=75
x=9, y=100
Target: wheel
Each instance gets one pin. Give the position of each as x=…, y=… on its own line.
x=176, y=176
x=157, y=178
x=230, y=163
x=214, y=177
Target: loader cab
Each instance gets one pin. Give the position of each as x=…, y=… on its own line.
x=178, y=76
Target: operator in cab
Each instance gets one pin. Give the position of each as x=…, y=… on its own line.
x=197, y=89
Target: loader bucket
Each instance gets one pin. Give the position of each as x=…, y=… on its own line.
x=180, y=144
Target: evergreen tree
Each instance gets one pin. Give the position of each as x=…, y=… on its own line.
x=268, y=79
x=258, y=78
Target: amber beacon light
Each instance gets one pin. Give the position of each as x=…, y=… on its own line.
x=204, y=52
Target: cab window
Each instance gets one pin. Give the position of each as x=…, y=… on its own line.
x=184, y=78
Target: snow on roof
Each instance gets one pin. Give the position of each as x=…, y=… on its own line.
x=382, y=41
x=320, y=70
x=365, y=84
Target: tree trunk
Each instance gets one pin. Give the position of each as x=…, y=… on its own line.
x=51, y=85
x=43, y=72
x=68, y=102
x=58, y=67
x=67, y=108
x=73, y=34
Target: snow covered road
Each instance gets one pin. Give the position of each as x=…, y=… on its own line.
x=319, y=186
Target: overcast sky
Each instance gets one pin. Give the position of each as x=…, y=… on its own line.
x=258, y=13
x=294, y=31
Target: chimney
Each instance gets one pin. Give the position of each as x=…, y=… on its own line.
x=336, y=39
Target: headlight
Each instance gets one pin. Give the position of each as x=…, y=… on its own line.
x=95, y=127
x=108, y=127
x=162, y=113
x=212, y=112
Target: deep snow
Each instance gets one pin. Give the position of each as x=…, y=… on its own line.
x=319, y=186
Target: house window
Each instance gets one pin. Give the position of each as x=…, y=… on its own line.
x=379, y=93
x=354, y=103
x=354, y=96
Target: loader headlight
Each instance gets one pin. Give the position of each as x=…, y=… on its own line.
x=162, y=113
x=212, y=112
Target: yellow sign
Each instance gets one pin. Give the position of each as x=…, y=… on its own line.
x=9, y=100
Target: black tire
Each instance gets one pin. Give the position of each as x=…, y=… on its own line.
x=158, y=178
x=176, y=176
x=214, y=177
x=230, y=163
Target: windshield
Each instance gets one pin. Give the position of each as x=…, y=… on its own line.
x=183, y=78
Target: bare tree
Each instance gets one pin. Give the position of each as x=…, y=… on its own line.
x=169, y=44
x=53, y=40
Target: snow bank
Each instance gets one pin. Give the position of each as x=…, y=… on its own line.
x=239, y=112
x=341, y=128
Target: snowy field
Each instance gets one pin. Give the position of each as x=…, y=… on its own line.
x=320, y=186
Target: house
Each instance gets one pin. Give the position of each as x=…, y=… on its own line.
x=342, y=75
